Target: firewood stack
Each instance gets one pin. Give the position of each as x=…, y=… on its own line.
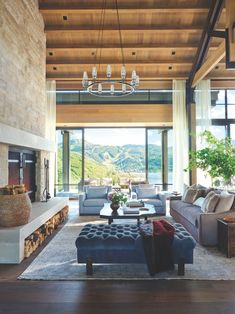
x=34, y=240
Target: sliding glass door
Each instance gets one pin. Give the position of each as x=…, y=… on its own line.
x=159, y=157
x=114, y=156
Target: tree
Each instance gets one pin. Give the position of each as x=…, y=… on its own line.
x=217, y=159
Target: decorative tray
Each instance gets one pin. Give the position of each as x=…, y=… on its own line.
x=229, y=219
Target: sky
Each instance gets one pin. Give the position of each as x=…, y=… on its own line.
x=117, y=136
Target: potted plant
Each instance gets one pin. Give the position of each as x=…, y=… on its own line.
x=217, y=159
x=116, y=199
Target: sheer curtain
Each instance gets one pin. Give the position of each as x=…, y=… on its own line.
x=203, y=106
x=180, y=136
x=51, y=127
x=203, y=121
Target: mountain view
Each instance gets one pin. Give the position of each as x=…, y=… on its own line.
x=102, y=161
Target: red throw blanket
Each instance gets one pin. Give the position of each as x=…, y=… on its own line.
x=157, y=239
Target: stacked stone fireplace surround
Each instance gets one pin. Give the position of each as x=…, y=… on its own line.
x=27, y=111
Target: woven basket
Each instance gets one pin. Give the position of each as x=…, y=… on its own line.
x=14, y=210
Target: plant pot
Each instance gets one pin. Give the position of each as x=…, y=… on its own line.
x=14, y=210
x=114, y=207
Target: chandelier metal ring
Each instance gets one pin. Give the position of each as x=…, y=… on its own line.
x=120, y=88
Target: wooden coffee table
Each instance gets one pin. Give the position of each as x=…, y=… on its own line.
x=106, y=212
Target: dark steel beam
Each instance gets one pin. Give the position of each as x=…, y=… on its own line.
x=213, y=16
x=219, y=34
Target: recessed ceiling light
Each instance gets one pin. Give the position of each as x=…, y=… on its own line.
x=50, y=53
x=65, y=17
x=170, y=68
x=54, y=68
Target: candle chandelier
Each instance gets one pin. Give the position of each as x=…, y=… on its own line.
x=109, y=87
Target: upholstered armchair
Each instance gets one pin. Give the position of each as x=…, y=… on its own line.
x=93, y=198
x=149, y=194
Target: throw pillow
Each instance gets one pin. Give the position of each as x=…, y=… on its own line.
x=206, y=200
x=199, y=201
x=99, y=192
x=146, y=186
x=225, y=202
x=146, y=193
x=190, y=196
x=212, y=202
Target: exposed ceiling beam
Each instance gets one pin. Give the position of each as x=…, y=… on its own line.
x=209, y=64
x=160, y=28
x=105, y=62
x=213, y=16
x=159, y=78
x=95, y=10
x=126, y=46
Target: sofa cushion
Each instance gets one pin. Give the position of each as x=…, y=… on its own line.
x=98, y=192
x=92, y=202
x=189, y=211
x=146, y=193
x=225, y=202
x=156, y=202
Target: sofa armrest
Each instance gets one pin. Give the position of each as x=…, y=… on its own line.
x=162, y=198
x=81, y=198
x=208, y=227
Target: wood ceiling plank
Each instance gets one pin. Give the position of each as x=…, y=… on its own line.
x=173, y=9
x=125, y=3
x=137, y=28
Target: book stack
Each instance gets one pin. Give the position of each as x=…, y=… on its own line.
x=129, y=210
x=135, y=203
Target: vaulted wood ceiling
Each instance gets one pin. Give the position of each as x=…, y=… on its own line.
x=160, y=38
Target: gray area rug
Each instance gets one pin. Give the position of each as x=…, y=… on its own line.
x=58, y=262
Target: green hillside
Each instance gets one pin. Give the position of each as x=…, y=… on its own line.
x=110, y=161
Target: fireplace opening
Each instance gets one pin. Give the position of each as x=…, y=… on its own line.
x=22, y=169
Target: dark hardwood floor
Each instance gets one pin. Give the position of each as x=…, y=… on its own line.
x=112, y=297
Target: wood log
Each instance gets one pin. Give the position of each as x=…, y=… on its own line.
x=34, y=240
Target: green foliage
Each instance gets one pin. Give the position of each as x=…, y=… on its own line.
x=118, y=197
x=218, y=158
x=106, y=161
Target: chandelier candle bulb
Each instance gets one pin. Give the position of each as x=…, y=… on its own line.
x=108, y=71
x=123, y=72
x=100, y=88
x=94, y=73
x=123, y=88
x=85, y=79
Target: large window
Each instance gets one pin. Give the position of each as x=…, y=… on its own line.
x=113, y=156
x=117, y=153
x=222, y=112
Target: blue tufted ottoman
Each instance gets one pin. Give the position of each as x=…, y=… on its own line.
x=122, y=243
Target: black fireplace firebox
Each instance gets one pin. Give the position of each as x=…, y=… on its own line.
x=22, y=169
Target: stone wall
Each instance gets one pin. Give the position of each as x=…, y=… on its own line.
x=27, y=118
x=22, y=66
x=3, y=164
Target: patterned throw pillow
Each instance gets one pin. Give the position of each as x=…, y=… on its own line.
x=210, y=202
x=225, y=203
